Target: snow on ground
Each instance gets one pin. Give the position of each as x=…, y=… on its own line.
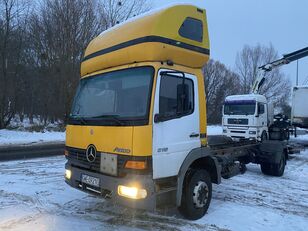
x=8, y=137
x=34, y=196
x=300, y=138
x=26, y=123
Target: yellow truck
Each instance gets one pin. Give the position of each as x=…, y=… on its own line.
x=137, y=129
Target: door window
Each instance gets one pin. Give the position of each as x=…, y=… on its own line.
x=261, y=109
x=176, y=96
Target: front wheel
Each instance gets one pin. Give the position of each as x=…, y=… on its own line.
x=197, y=194
x=263, y=136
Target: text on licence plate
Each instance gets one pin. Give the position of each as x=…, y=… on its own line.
x=90, y=180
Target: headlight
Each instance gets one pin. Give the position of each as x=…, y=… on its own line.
x=132, y=192
x=68, y=174
x=252, y=132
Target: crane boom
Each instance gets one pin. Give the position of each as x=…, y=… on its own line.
x=286, y=59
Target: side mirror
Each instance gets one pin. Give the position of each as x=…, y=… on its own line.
x=258, y=110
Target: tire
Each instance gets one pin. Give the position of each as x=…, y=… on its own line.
x=278, y=169
x=274, y=169
x=266, y=168
x=197, y=194
x=263, y=136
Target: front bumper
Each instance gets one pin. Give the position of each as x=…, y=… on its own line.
x=108, y=187
x=241, y=133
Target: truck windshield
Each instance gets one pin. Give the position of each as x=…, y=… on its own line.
x=243, y=107
x=114, y=98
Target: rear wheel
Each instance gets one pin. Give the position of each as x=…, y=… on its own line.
x=274, y=169
x=266, y=168
x=278, y=169
x=197, y=194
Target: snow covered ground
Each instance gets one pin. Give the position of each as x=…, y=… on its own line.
x=33, y=196
x=8, y=137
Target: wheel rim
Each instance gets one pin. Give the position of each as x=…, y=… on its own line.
x=200, y=194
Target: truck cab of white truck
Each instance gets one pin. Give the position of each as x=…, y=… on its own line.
x=247, y=117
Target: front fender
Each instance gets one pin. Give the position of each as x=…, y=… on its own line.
x=201, y=158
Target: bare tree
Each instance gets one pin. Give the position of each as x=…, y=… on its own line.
x=60, y=32
x=219, y=82
x=116, y=11
x=41, y=47
x=276, y=87
x=13, y=15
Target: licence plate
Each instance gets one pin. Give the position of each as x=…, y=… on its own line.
x=90, y=180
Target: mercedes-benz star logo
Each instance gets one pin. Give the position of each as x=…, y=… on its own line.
x=91, y=153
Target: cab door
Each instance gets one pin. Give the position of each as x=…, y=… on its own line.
x=176, y=129
x=262, y=113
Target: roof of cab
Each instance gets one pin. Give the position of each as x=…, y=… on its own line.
x=154, y=36
x=255, y=97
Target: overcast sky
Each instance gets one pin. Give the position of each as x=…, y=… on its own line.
x=234, y=23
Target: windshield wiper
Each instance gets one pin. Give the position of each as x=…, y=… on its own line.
x=81, y=119
x=113, y=117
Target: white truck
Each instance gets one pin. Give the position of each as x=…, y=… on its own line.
x=247, y=117
x=251, y=116
x=299, y=114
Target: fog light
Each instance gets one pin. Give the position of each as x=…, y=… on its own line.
x=68, y=174
x=132, y=192
x=224, y=130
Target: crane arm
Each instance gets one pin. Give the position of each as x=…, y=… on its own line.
x=258, y=83
x=286, y=59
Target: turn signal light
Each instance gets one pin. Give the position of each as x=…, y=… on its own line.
x=139, y=165
x=132, y=192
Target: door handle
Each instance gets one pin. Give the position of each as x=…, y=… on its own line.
x=192, y=135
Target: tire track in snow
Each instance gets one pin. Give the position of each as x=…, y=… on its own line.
x=288, y=194
x=283, y=194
